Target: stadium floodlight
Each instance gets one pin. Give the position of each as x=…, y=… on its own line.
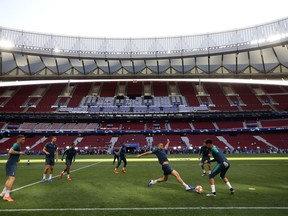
x=56, y=50
x=6, y=44
x=273, y=38
x=277, y=37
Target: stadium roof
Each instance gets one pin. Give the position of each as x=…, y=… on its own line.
x=258, y=51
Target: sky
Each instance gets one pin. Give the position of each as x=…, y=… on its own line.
x=137, y=18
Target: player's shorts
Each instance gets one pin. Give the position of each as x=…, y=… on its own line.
x=68, y=162
x=204, y=159
x=166, y=169
x=219, y=168
x=50, y=161
x=123, y=158
x=11, y=170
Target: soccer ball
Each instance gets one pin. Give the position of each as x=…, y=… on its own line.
x=199, y=189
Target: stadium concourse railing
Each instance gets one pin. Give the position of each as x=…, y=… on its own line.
x=149, y=132
x=59, y=45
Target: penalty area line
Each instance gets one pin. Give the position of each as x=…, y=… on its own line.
x=146, y=209
x=38, y=182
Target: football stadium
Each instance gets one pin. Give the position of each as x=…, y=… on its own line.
x=101, y=98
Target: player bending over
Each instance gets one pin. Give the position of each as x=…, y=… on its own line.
x=221, y=167
x=70, y=156
x=160, y=152
x=205, y=153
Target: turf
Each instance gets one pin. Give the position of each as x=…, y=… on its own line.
x=96, y=190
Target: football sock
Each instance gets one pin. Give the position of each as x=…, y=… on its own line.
x=50, y=176
x=204, y=171
x=153, y=181
x=44, y=176
x=228, y=184
x=213, y=188
x=185, y=185
x=68, y=175
x=4, y=190
x=209, y=172
x=7, y=193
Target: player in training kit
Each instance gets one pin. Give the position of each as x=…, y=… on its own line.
x=160, y=152
x=121, y=157
x=50, y=150
x=70, y=156
x=115, y=153
x=205, y=153
x=221, y=167
x=11, y=167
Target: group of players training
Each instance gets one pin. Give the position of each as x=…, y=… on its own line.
x=51, y=154
x=50, y=150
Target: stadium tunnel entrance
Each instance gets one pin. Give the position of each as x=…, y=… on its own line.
x=131, y=147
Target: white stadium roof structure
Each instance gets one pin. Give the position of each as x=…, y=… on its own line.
x=258, y=52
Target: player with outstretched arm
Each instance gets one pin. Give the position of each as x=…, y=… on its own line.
x=160, y=152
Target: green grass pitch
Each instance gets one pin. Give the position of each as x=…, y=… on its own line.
x=260, y=183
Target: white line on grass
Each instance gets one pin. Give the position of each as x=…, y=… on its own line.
x=38, y=182
x=147, y=209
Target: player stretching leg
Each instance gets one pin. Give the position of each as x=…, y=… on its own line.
x=221, y=167
x=70, y=156
x=160, y=152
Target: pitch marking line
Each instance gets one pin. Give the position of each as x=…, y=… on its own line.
x=145, y=209
x=38, y=182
